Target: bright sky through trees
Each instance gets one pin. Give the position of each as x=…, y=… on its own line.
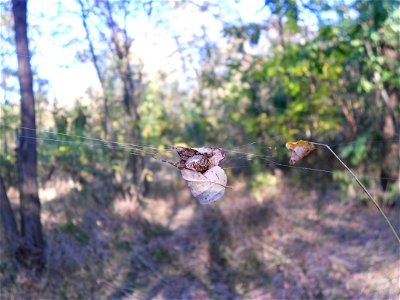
x=54, y=50
x=57, y=35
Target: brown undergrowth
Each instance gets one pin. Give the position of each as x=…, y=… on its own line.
x=290, y=244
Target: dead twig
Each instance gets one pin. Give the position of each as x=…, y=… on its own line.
x=364, y=189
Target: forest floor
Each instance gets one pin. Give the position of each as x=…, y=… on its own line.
x=294, y=245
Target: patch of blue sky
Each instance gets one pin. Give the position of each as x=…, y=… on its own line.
x=55, y=56
x=57, y=35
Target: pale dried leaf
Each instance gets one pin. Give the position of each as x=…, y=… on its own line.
x=207, y=187
x=217, y=156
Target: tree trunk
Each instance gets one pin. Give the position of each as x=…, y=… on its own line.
x=31, y=227
x=8, y=220
x=131, y=95
x=106, y=123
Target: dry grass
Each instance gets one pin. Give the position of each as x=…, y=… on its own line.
x=291, y=245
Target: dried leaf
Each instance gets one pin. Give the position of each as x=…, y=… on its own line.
x=185, y=153
x=299, y=150
x=199, y=159
x=200, y=168
x=207, y=187
x=218, y=155
x=197, y=163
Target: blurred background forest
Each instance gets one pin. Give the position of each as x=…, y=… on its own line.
x=118, y=82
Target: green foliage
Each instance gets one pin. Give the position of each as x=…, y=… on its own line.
x=392, y=198
x=345, y=184
x=72, y=229
x=123, y=246
x=9, y=119
x=356, y=151
x=323, y=82
x=264, y=183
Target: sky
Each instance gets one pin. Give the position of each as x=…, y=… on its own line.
x=56, y=35
x=69, y=79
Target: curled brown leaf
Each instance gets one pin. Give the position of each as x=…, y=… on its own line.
x=299, y=150
x=199, y=159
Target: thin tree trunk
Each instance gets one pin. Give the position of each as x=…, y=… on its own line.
x=386, y=99
x=8, y=220
x=31, y=227
x=97, y=67
x=131, y=95
x=122, y=49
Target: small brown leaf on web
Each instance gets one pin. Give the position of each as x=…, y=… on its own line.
x=299, y=150
x=199, y=159
x=197, y=163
